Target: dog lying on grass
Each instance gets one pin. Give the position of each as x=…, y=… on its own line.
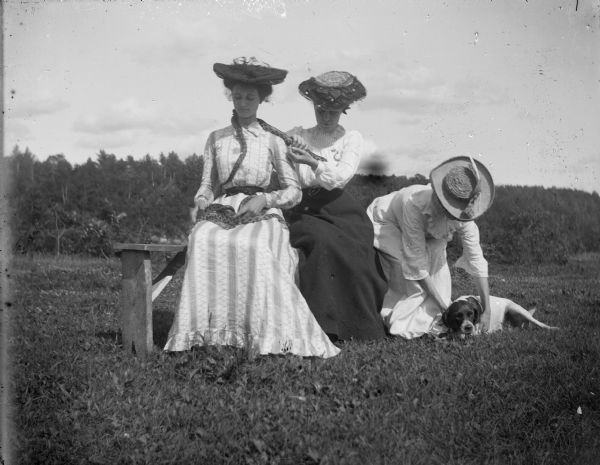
x=463, y=316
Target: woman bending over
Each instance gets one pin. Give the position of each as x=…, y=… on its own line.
x=412, y=229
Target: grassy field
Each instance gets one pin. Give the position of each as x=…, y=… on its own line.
x=522, y=396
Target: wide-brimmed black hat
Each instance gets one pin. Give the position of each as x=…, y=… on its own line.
x=464, y=186
x=250, y=71
x=333, y=90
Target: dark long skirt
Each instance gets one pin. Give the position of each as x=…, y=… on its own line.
x=340, y=275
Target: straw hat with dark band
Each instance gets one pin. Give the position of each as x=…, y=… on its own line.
x=250, y=71
x=334, y=90
x=464, y=187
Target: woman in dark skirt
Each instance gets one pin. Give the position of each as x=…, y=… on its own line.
x=340, y=277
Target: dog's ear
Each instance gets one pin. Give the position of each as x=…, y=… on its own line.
x=447, y=316
x=477, y=309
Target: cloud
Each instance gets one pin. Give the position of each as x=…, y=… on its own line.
x=409, y=104
x=131, y=128
x=130, y=115
x=183, y=47
x=122, y=116
x=409, y=161
x=397, y=86
x=185, y=43
x=407, y=89
x=108, y=142
x=369, y=147
x=480, y=93
x=137, y=143
x=419, y=89
x=17, y=130
x=589, y=160
x=422, y=98
x=420, y=154
x=34, y=106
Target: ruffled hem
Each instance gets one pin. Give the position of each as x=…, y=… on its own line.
x=264, y=346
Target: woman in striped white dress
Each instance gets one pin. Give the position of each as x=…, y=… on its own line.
x=239, y=286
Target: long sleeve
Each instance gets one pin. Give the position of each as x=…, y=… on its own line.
x=336, y=174
x=472, y=259
x=209, y=172
x=289, y=194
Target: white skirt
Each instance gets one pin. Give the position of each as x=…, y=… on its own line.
x=408, y=311
x=239, y=289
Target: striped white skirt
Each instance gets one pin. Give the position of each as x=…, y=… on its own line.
x=239, y=290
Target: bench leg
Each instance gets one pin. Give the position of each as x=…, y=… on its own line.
x=136, y=302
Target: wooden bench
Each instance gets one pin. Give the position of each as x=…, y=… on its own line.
x=139, y=290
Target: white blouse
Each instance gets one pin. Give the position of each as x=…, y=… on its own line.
x=410, y=211
x=265, y=151
x=341, y=148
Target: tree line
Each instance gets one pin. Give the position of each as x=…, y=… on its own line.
x=62, y=208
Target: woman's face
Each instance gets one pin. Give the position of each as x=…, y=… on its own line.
x=245, y=100
x=327, y=119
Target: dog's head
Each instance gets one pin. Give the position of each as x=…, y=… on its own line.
x=462, y=315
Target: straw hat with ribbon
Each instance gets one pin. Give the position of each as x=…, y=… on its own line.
x=464, y=187
x=334, y=90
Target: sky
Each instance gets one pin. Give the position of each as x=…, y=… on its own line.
x=513, y=83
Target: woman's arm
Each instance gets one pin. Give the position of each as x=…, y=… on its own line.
x=289, y=193
x=473, y=261
x=429, y=287
x=205, y=194
x=334, y=173
x=483, y=288
x=415, y=258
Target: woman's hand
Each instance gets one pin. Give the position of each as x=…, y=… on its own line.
x=252, y=207
x=428, y=285
x=299, y=142
x=298, y=155
x=193, y=214
x=200, y=203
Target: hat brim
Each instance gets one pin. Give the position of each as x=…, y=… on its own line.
x=456, y=207
x=250, y=74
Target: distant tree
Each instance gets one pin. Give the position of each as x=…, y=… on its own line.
x=58, y=176
x=60, y=208
x=22, y=168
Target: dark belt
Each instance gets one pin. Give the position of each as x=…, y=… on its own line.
x=248, y=190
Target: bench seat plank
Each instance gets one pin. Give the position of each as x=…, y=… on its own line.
x=149, y=247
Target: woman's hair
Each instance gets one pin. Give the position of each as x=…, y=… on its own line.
x=264, y=90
